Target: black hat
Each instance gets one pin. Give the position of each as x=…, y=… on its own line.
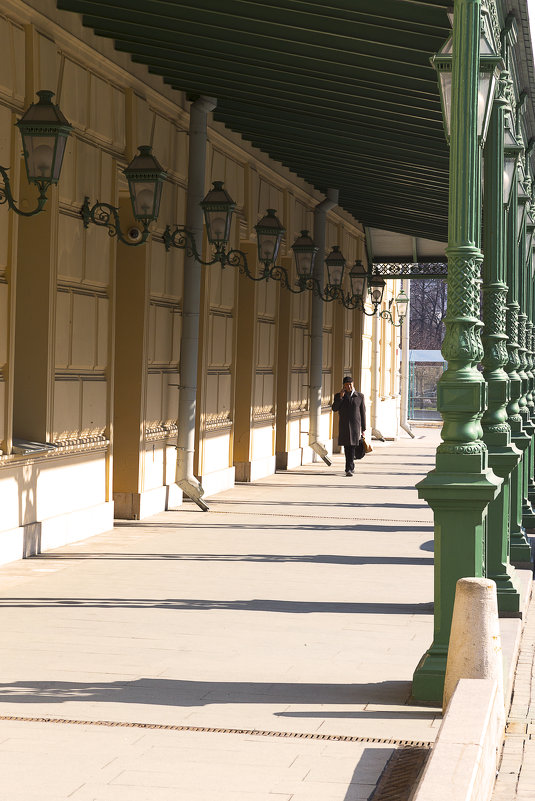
x=347, y=380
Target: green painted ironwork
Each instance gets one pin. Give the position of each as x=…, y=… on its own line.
x=520, y=550
x=399, y=267
x=462, y=485
x=504, y=456
x=344, y=94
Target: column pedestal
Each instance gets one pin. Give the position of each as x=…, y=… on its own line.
x=502, y=461
x=459, y=502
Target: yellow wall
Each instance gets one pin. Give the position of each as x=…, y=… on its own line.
x=90, y=328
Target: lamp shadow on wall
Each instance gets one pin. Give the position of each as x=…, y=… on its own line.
x=27, y=480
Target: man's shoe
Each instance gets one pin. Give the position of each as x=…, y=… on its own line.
x=349, y=472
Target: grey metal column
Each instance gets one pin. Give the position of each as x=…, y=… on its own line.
x=404, y=388
x=316, y=328
x=189, y=344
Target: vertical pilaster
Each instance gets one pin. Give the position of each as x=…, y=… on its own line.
x=245, y=357
x=130, y=372
x=284, y=323
x=461, y=486
x=338, y=363
x=34, y=362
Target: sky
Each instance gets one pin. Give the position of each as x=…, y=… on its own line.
x=531, y=12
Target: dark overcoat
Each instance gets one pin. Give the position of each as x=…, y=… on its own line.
x=352, y=417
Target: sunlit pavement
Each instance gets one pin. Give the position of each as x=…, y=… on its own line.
x=297, y=605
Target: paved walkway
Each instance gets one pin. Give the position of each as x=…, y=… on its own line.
x=298, y=605
x=516, y=776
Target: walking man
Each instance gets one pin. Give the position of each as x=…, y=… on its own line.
x=352, y=420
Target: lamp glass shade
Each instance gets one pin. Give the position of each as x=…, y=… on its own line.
x=335, y=264
x=401, y=303
x=442, y=63
x=511, y=154
x=145, y=178
x=489, y=70
x=357, y=278
x=269, y=233
x=218, y=207
x=376, y=288
x=521, y=214
x=44, y=131
x=509, y=164
x=488, y=77
x=529, y=244
x=530, y=230
x=305, y=254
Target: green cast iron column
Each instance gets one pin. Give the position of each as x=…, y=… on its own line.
x=530, y=398
x=520, y=550
x=529, y=370
x=528, y=517
x=503, y=455
x=528, y=305
x=461, y=486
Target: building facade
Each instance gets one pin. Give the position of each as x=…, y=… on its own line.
x=91, y=328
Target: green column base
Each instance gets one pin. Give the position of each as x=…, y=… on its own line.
x=520, y=548
x=428, y=678
x=459, y=501
x=528, y=517
x=521, y=551
x=508, y=590
x=502, y=460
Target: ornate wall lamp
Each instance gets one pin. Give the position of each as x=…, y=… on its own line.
x=44, y=132
x=218, y=208
x=358, y=278
x=145, y=178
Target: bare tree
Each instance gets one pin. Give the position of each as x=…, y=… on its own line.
x=428, y=309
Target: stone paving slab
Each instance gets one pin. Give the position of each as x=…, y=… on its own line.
x=298, y=605
x=516, y=775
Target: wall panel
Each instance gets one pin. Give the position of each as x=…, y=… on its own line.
x=12, y=72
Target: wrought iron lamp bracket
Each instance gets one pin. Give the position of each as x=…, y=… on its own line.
x=107, y=216
x=6, y=196
x=183, y=239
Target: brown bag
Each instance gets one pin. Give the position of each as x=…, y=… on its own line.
x=368, y=447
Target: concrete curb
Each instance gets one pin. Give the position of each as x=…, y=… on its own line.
x=463, y=763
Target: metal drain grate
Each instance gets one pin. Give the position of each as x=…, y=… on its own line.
x=401, y=773
x=356, y=518
x=257, y=732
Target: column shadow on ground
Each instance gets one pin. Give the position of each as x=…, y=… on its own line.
x=348, y=484
x=256, y=526
x=176, y=692
x=336, y=504
x=263, y=558
x=367, y=772
x=250, y=605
